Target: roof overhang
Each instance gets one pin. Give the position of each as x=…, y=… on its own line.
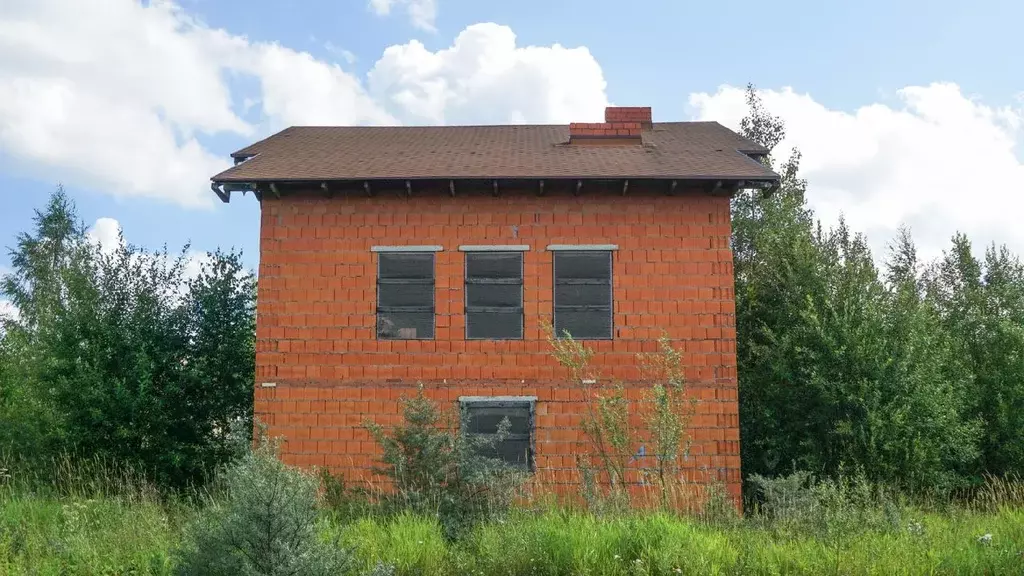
x=711, y=184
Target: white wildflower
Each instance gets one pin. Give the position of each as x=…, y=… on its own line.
x=985, y=539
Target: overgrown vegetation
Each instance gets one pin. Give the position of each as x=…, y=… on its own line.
x=265, y=516
x=913, y=375
x=614, y=446
x=122, y=355
x=437, y=470
x=262, y=522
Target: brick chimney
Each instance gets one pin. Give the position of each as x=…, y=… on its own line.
x=641, y=114
x=621, y=125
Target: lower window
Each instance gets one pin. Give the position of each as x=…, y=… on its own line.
x=482, y=415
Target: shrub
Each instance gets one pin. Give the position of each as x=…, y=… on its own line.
x=262, y=521
x=614, y=444
x=438, y=470
x=844, y=505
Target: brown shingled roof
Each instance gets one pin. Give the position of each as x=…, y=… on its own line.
x=669, y=150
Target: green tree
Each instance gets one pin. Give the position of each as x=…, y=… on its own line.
x=981, y=304
x=838, y=368
x=128, y=358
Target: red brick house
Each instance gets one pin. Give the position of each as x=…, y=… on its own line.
x=391, y=256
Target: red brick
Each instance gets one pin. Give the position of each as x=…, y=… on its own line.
x=315, y=326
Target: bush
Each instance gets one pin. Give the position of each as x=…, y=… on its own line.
x=119, y=355
x=264, y=523
x=438, y=470
x=843, y=505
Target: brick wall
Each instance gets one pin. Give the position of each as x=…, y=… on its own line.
x=316, y=335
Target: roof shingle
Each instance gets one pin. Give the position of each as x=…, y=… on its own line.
x=670, y=150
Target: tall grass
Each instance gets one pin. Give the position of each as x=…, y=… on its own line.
x=88, y=517
x=572, y=543
x=68, y=476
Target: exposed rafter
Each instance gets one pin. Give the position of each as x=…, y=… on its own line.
x=735, y=187
x=274, y=190
x=224, y=196
x=367, y=189
x=672, y=187
x=576, y=190
x=495, y=192
x=625, y=187
x=408, y=188
x=451, y=188
x=540, y=188
x=327, y=189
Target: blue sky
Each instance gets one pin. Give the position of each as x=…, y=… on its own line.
x=902, y=109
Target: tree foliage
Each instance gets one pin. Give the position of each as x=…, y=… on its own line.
x=117, y=353
x=910, y=375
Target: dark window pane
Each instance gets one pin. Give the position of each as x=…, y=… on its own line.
x=405, y=325
x=515, y=452
x=406, y=265
x=583, y=295
x=494, y=265
x=494, y=295
x=583, y=265
x=502, y=295
x=485, y=420
x=405, y=295
x=494, y=325
x=418, y=295
x=584, y=324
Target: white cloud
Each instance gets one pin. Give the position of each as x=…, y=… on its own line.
x=935, y=160
x=296, y=88
x=114, y=95
x=485, y=78
x=106, y=232
x=422, y=13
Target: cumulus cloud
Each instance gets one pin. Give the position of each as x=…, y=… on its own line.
x=484, y=77
x=935, y=160
x=116, y=95
x=112, y=94
x=106, y=233
x=422, y=13
x=296, y=88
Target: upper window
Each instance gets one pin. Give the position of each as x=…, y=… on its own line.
x=494, y=295
x=482, y=416
x=405, y=295
x=583, y=293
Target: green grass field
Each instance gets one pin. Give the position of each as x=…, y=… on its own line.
x=138, y=535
